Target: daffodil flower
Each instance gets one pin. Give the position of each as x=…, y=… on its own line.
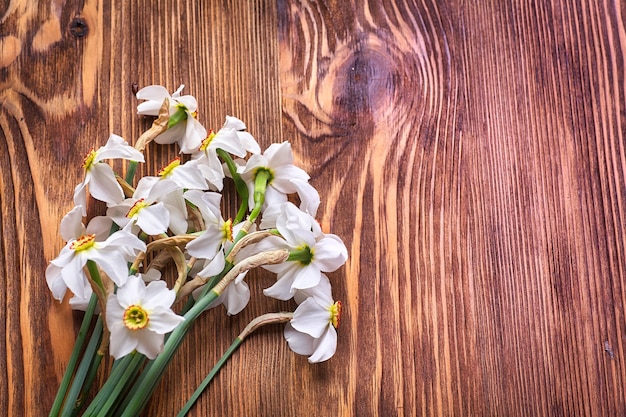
x=210, y=244
x=139, y=316
x=144, y=209
x=283, y=178
x=99, y=176
x=186, y=175
x=187, y=132
x=111, y=254
x=312, y=252
x=230, y=138
x=312, y=330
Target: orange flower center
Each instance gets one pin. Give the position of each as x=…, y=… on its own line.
x=83, y=243
x=135, y=317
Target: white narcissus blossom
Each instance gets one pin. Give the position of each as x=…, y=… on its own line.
x=229, y=138
x=99, y=176
x=284, y=178
x=189, y=133
x=312, y=330
x=139, y=316
x=84, y=244
x=186, y=175
x=312, y=252
x=210, y=244
x=145, y=208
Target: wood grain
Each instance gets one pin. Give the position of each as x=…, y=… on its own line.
x=470, y=154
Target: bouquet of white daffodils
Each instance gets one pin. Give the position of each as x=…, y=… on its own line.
x=112, y=263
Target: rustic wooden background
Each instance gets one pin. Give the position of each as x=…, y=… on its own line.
x=471, y=155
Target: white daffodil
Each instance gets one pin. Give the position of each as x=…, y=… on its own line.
x=99, y=176
x=186, y=176
x=284, y=178
x=83, y=244
x=210, y=244
x=235, y=297
x=139, y=316
x=230, y=138
x=144, y=209
x=187, y=132
x=312, y=252
x=312, y=330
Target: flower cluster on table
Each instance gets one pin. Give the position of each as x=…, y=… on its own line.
x=112, y=263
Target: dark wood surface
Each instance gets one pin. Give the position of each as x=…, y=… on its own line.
x=470, y=154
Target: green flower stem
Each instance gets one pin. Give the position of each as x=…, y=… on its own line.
x=303, y=254
x=129, y=373
x=72, y=401
x=235, y=345
x=251, y=327
x=78, y=347
x=109, y=385
x=91, y=376
x=240, y=184
x=130, y=173
x=95, y=276
x=262, y=178
x=179, y=115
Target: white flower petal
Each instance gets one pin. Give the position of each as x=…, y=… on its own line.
x=306, y=277
x=55, y=281
x=237, y=296
x=311, y=318
x=157, y=294
x=149, y=343
x=300, y=343
x=152, y=92
x=80, y=197
x=282, y=289
x=132, y=292
x=329, y=253
x=121, y=342
x=103, y=186
x=71, y=225
x=112, y=263
x=325, y=346
x=278, y=154
x=154, y=220
x=117, y=148
x=163, y=320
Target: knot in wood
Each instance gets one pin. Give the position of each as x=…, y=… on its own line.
x=79, y=28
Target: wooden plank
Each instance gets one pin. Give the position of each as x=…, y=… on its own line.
x=470, y=155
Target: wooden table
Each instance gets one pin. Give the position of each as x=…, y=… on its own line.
x=470, y=154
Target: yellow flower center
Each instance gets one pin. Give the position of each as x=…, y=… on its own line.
x=139, y=204
x=227, y=230
x=206, y=142
x=135, y=317
x=83, y=243
x=335, y=314
x=167, y=171
x=89, y=160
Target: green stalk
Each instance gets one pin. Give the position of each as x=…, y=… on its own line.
x=123, y=382
x=235, y=345
x=78, y=347
x=109, y=385
x=130, y=174
x=262, y=178
x=72, y=401
x=91, y=376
